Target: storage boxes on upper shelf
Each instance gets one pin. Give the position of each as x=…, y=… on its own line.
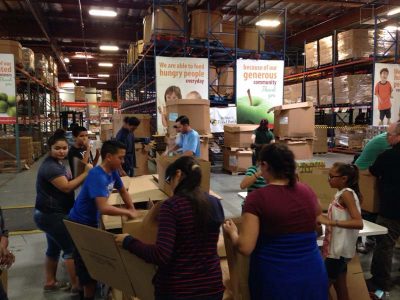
x=325, y=50
x=105, y=96
x=202, y=22
x=325, y=91
x=248, y=39
x=311, y=53
x=353, y=89
x=293, y=70
x=28, y=59
x=41, y=67
x=312, y=91
x=80, y=93
x=12, y=47
x=292, y=93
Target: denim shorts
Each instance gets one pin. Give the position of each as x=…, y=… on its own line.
x=57, y=234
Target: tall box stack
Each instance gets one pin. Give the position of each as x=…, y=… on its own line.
x=325, y=50
x=292, y=93
x=350, y=138
x=80, y=94
x=298, y=136
x=147, y=32
x=26, y=150
x=226, y=81
x=106, y=96
x=202, y=22
x=321, y=140
x=237, y=154
x=325, y=91
x=143, y=130
x=353, y=89
x=312, y=91
x=311, y=52
x=248, y=39
x=12, y=47
x=41, y=66
x=28, y=59
x=227, y=36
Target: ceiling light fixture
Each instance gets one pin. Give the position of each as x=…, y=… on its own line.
x=109, y=48
x=80, y=55
x=104, y=75
x=103, y=13
x=101, y=82
x=66, y=59
x=393, y=11
x=268, y=23
x=105, y=64
x=82, y=77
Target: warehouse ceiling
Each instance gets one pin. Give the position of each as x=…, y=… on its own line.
x=64, y=28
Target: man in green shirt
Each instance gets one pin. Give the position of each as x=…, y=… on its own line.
x=371, y=151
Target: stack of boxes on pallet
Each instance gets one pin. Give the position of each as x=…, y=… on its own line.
x=321, y=140
x=298, y=136
x=350, y=138
x=8, y=162
x=237, y=154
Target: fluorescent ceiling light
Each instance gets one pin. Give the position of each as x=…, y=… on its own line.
x=103, y=13
x=80, y=55
x=109, y=48
x=104, y=75
x=82, y=77
x=66, y=59
x=142, y=91
x=268, y=23
x=105, y=64
x=394, y=11
x=101, y=82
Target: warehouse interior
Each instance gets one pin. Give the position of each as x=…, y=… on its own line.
x=312, y=69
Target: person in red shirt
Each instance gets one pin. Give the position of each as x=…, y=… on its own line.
x=383, y=90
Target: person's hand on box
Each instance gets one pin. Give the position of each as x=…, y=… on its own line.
x=119, y=238
x=231, y=229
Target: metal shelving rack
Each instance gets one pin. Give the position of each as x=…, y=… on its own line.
x=38, y=106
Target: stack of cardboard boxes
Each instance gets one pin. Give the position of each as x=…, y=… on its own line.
x=237, y=154
x=311, y=53
x=298, y=136
x=12, y=47
x=325, y=50
x=312, y=91
x=350, y=138
x=292, y=93
x=353, y=89
x=321, y=139
x=28, y=59
x=8, y=144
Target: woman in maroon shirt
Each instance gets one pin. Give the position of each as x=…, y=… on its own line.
x=278, y=230
x=186, y=246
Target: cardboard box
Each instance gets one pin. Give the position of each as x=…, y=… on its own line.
x=106, y=132
x=143, y=130
x=248, y=39
x=287, y=120
x=355, y=89
x=301, y=148
x=26, y=150
x=204, y=145
x=80, y=94
x=164, y=161
x=325, y=91
x=198, y=112
x=12, y=47
x=312, y=91
x=227, y=36
x=369, y=191
x=318, y=181
x=202, y=22
x=147, y=31
x=226, y=81
x=110, y=264
x=321, y=141
x=292, y=93
x=293, y=70
x=311, y=53
x=238, y=135
x=325, y=50
x=28, y=59
x=142, y=157
x=167, y=20
x=106, y=96
x=237, y=159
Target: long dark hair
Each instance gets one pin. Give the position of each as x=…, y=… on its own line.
x=280, y=161
x=58, y=135
x=352, y=174
x=263, y=125
x=189, y=188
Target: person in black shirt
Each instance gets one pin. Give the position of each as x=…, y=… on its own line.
x=54, y=199
x=81, y=150
x=387, y=171
x=125, y=135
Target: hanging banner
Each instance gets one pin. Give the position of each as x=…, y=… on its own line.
x=386, y=106
x=179, y=78
x=222, y=116
x=8, y=102
x=259, y=88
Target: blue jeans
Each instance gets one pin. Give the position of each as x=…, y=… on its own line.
x=57, y=234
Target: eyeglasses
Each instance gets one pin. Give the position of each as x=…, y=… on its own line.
x=330, y=176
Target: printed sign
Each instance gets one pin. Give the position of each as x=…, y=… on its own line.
x=8, y=101
x=259, y=88
x=179, y=78
x=222, y=116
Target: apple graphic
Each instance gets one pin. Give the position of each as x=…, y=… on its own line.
x=250, y=110
x=12, y=111
x=3, y=106
x=11, y=100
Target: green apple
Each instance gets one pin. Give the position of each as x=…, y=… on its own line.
x=252, y=114
x=3, y=96
x=12, y=111
x=3, y=106
x=11, y=100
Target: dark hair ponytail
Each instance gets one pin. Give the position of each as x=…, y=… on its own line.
x=189, y=188
x=58, y=135
x=280, y=161
x=353, y=175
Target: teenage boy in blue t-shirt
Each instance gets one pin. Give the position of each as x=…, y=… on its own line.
x=92, y=202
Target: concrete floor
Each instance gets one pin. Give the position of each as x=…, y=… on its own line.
x=26, y=277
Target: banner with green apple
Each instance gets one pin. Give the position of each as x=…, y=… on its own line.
x=259, y=87
x=8, y=103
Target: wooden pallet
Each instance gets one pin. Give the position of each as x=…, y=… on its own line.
x=234, y=173
x=10, y=166
x=344, y=150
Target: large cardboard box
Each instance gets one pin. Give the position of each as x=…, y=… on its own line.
x=236, y=159
x=370, y=193
x=26, y=150
x=227, y=36
x=311, y=52
x=198, y=112
x=204, y=146
x=164, y=161
x=287, y=120
x=312, y=91
x=202, y=22
x=238, y=135
x=106, y=96
x=142, y=157
x=248, y=39
x=354, y=89
x=318, y=181
x=143, y=129
x=166, y=20
x=301, y=148
x=325, y=50
x=321, y=140
x=12, y=47
x=80, y=94
x=292, y=93
x=325, y=91
x=293, y=70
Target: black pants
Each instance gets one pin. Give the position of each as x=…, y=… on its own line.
x=3, y=295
